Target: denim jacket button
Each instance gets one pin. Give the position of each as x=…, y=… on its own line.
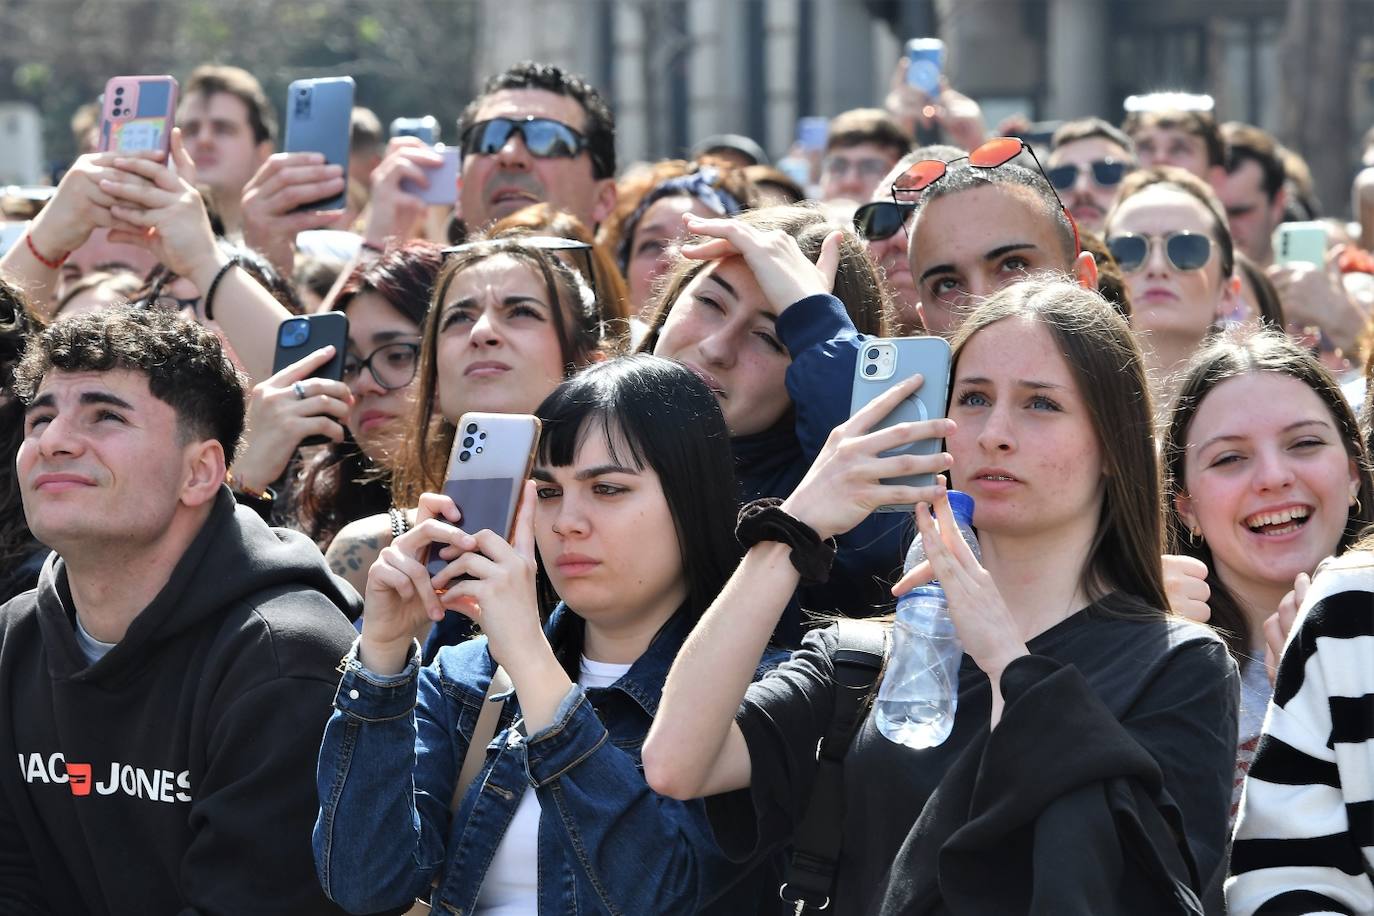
x=353, y=694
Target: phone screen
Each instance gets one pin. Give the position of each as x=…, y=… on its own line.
x=485, y=502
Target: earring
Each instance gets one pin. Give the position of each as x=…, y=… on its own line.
x=1194, y=535
x=1355, y=501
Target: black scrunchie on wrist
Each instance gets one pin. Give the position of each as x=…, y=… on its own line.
x=764, y=520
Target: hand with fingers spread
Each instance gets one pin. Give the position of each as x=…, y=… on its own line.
x=285, y=182
x=80, y=204
x=400, y=603
x=844, y=485
x=1185, y=584
x=393, y=212
x=161, y=210
x=783, y=272
x=283, y=411
x=986, y=627
x=1280, y=624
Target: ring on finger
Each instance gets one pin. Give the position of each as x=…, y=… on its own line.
x=299, y=389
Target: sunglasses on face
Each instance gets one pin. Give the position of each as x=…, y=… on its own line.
x=993, y=154
x=1185, y=250
x=1106, y=172
x=881, y=219
x=393, y=365
x=545, y=138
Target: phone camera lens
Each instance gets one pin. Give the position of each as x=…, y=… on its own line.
x=479, y=449
x=468, y=442
x=464, y=456
x=873, y=353
x=119, y=90
x=472, y=428
x=870, y=369
x=481, y=435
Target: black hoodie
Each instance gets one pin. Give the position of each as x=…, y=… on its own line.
x=176, y=775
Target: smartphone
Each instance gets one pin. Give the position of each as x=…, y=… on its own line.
x=318, y=120
x=298, y=337
x=812, y=132
x=490, y=462
x=885, y=362
x=426, y=128
x=443, y=179
x=925, y=62
x=138, y=113
x=1300, y=242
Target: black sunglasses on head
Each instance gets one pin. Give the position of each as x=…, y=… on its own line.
x=545, y=138
x=881, y=219
x=1185, y=250
x=1106, y=172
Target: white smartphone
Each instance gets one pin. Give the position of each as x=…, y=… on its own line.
x=1300, y=242
x=490, y=462
x=887, y=361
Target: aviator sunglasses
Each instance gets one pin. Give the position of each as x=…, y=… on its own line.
x=1106, y=172
x=545, y=138
x=1185, y=250
x=880, y=219
x=993, y=154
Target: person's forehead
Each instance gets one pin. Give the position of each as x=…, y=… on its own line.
x=862, y=151
x=500, y=275
x=128, y=384
x=1162, y=209
x=968, y=224
x=217, y=106
x=1159, y=134
x=532, y=103
x=1089, y=149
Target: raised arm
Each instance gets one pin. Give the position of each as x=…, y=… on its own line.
x=694, y=747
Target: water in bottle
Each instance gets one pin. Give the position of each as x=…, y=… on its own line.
x=916, y=701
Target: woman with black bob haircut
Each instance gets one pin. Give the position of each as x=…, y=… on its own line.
x=632, y=513
x=21, y=556
x=1088, y=769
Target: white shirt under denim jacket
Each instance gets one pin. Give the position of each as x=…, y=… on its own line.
x=607, y=842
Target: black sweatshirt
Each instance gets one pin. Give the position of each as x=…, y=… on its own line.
x=176, y=775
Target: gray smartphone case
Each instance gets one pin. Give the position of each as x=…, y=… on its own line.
x=318, y=118
x=929, y=356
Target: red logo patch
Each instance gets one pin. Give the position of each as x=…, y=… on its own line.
x=79, y=778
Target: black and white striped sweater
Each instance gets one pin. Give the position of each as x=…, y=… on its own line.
x=1304, y=842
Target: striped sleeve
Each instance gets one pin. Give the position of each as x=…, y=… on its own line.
x=1305, y=837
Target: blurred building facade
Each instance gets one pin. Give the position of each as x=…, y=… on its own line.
x=678, y=70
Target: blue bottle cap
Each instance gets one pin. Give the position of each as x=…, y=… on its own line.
x=962, y=506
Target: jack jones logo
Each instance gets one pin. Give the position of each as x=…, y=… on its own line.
x=135, y=782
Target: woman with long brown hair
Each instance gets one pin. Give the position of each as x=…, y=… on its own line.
x=1089, y=764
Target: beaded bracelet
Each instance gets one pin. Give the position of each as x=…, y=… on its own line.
x=764, y=520
x=234, y=261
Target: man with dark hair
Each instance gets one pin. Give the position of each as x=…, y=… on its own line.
x=1252, y=190
x=166, y=686
x=862, y=146
x=1087, y=161
x=976, y=230
x=229, y=128
x=537, y=134
x=1187, y=139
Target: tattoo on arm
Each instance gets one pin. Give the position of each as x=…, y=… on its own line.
x=350, y=559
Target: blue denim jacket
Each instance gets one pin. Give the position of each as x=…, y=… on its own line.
x=607, y=842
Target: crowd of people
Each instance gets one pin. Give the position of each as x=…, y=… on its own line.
x=234, y=682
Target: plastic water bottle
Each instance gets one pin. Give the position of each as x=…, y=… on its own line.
x=916, y=701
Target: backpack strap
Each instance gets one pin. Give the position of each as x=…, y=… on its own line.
x=861, y=648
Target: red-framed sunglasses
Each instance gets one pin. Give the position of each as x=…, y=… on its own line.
x=994, y=153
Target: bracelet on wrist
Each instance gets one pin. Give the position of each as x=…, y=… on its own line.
x=238, y=486
x=764, y=520
x=234, y=261
x=46, y=262
x=399, y=523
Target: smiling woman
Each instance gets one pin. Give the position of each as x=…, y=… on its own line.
x=1268, y=476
